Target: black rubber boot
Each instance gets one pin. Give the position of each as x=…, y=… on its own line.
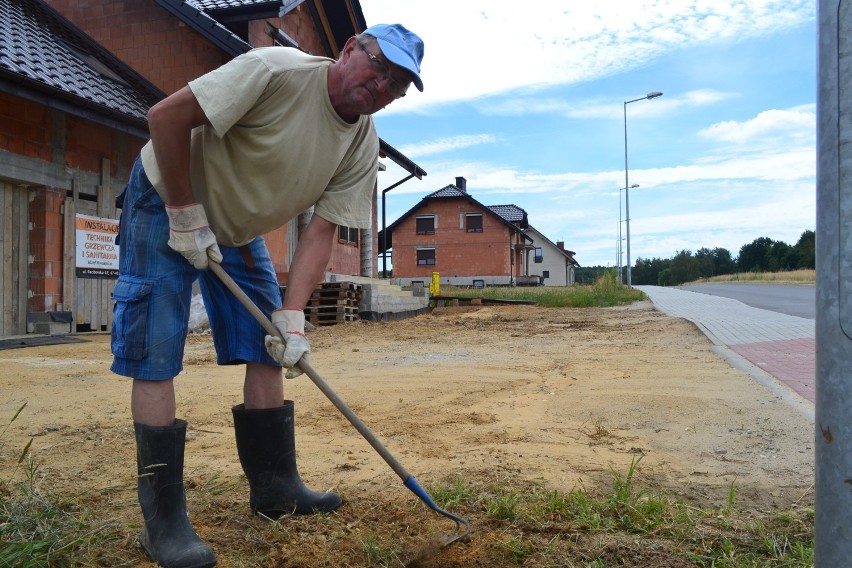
x=267, y=449
x=167, y=537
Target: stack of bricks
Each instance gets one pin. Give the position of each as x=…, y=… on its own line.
x=332, y=303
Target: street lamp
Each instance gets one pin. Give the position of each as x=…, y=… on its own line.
x=651, y=95
x=618, y=247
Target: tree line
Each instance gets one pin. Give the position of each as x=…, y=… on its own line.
x=761, y=255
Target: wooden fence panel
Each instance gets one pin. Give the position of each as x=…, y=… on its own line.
x=14, y=267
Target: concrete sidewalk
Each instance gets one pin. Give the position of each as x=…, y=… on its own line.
x=774, y=348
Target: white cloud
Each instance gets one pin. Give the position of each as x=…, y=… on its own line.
x=446, y=144
x=598, y=108
x=796, y=126
x=778, y=165
x=475, y=50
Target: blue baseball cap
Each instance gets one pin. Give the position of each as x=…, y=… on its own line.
x=401, y=47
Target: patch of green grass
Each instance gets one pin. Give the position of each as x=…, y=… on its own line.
x=502, y=506
x=36, y=530
x=453, y=493
x=381, y=552
x=526, y=516
x=803, y=276
x=517, y=549
x=605, y=292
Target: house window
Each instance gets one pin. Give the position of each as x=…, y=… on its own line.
x=473, y=222
x=426, y=257
x=545, y=274
x=347, y=235
x=539, y=255
x=425, y=224
x=479, y=283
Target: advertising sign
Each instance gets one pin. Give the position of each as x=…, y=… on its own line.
x=97, y=251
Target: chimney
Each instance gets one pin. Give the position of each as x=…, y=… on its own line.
x=461, y=183
x=560, y=245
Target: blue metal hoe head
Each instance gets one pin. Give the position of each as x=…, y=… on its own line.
x=462, y=525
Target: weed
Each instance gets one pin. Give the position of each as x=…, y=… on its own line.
x=516, y=548
x=216, y=486
x=36, y=531
x=623, y=486
x=454, y=493
x=732, y=493
x=380, y=552
x=598, y=431
x=502, y=507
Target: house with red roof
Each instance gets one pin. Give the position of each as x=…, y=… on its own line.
x=471, y=244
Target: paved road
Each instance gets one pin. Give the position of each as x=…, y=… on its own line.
x=791, y=299
x=776, y=349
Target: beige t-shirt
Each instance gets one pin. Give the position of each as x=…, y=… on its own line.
x=276, y=147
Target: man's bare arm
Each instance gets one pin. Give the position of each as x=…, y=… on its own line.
x=309, y=262
x=170, y=123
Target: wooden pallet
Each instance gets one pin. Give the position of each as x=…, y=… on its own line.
x=331, y=319
x=315, y=310
x=332, y=302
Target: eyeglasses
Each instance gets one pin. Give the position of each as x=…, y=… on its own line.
x=380, y=67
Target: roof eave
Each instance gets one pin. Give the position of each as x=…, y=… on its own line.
x=69, y=103
x=245, y=13
x=388, y=151
x=207, y=26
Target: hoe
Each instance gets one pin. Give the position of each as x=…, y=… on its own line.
x=462, y=529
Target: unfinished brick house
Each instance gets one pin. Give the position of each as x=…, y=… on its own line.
x=465, y=242
x=76, y=80
x=72, y=118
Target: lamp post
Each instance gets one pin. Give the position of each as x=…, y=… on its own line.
x=618, y=245
x=651, y=95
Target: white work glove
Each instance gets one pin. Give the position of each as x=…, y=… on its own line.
x=294, y=346
x=190, y=235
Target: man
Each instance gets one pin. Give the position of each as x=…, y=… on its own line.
x=237, y=153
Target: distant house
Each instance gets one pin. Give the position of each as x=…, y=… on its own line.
x=465, y=242
x=550, y=262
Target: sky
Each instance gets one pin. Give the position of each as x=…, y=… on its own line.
x=528, y=102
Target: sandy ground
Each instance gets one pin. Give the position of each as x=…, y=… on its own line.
x=563, y=397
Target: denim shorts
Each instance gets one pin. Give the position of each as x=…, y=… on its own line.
x=154, y=291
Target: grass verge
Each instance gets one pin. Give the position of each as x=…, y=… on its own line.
x=631, y=526
x=37, y=529
x=515, y=523
x=791, y=277
x=605, y=292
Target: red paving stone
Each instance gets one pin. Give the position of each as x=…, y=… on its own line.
x=791, y=361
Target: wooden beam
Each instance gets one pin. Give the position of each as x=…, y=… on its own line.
x=327, y=29
x=6, y=246
x=69, y=252
x=106, y=199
